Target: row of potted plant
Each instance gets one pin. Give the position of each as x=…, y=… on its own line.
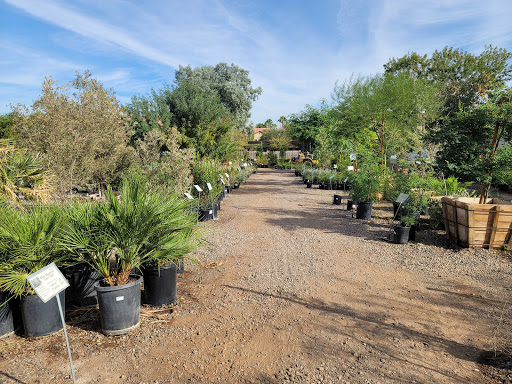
x=139, y=232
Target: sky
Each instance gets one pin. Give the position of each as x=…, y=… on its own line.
x=295, y=50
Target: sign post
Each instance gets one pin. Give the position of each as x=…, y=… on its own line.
x=198, y=188
x=48, y=282
x=211, y=199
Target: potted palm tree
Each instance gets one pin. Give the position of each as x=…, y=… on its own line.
x=115, y=238
x=29, y=240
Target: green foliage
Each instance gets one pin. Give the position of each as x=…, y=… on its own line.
x=207, y=171
x=466, y=79
x=6, y=122
x=147, y=113
x=465, y=141
x=22, y=175
x=262, y=159
x=80, y=130
x=367, y=183
x=29, y=240
x=281, y=144
x=164, y=162
x=230, y=82
x=408, y=220
x=140, y=226
x=304, y=126
x=385, y=110
x=503, y=166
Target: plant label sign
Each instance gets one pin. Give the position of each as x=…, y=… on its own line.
x=198, y=188
x=335, y=166
x=332, y=176
x=209, y=186
x=221, y=179
x=48, y=282
x=350, y=168
x=227, y=175
x=188, y=196
x=353, y=156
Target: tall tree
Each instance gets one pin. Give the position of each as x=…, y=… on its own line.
x=466, y=79
x=230, y=82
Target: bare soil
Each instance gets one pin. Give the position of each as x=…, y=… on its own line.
x=294, y=289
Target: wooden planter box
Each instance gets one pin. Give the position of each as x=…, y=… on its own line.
x=478, y=225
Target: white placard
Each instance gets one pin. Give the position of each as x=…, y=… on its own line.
x=353, y=156
x=189, y=196
x=393, y=157
x=230, y=163
x=221, y=179
x=350, y=168
x=244, y=164
x=198, y=188
x=227, y=175
x=335, y=166
x=330, y=178
x=48, y=282
x=209, y=186
x=345, y=180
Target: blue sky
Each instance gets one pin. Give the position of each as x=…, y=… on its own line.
x=294, y=49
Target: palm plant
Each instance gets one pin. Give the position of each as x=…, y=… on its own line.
x=21, y=174
x=141, y=226
x=29, y=240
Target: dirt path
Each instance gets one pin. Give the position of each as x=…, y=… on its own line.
x=295, y=290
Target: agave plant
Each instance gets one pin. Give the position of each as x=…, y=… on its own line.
x=29, y=240
x=139, y=226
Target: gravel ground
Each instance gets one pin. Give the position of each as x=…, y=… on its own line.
x=294, y=289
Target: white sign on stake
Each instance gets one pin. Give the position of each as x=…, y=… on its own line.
x=330, y=178
x=350, y=168
x=221, y=179
x=48, y=282
x=335, y=166
x=353, y=156
x=230, y=163
x=189, y=196
x=209, y=186
x=227, y=175
x=198, y=188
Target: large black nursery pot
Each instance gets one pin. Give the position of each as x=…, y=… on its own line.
x=41, y=319
x=308, y=184
x=6, y=316
x=364, y=210
x=401, y=234
x=208, y=213
x=119, y=306
x=81, y=291
x=337, y=200
x=160, y=285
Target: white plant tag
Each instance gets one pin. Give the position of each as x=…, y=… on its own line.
x=227, y=175
x=330, y=178
x=221, y=179
x=198, y=188
x=119, y=298
x=189, y=196
x=209, y=186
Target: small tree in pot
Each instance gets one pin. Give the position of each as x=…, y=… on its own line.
x=366, y=185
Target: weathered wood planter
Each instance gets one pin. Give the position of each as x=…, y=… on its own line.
x=478, y=225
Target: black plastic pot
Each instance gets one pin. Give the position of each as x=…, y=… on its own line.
x=308, y=184
x=350, y=205
x=401, y=235
x=81, y=289
x=160, y=285
x=6, y=317
x=364, y=210
x=119, y=306
x=412, y=233
x=206, y=214
x=337, y=200
x=41, y=319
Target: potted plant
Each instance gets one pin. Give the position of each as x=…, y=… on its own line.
x=115, y=238
x=401, y=232
x=29, y=241
x=366, y=185
x=160, y=270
